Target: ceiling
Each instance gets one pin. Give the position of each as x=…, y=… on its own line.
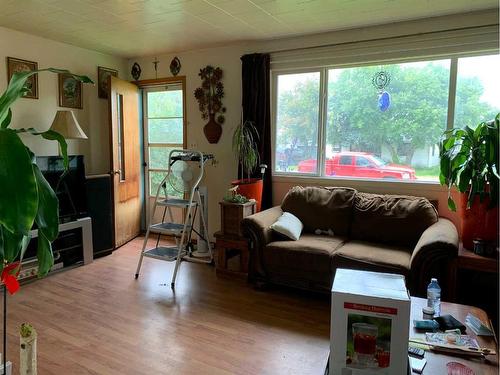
x=131, y=28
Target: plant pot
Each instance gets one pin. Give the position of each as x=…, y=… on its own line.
x=478, y=222
x=212, y=130
x=250, y=188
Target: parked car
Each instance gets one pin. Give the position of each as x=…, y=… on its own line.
x=359, y=164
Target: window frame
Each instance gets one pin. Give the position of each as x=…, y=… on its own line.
x=156, y=86
x=319, y=174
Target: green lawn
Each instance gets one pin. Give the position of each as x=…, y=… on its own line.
x=431, y=173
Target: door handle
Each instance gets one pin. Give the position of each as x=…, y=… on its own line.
x=114, y=172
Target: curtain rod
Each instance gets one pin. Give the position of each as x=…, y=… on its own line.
x=380, y=39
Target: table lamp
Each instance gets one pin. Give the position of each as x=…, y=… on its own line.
x=66, y=124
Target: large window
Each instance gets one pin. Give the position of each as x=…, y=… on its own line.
x=297, y=115
x=163, y=131
x=346, y=123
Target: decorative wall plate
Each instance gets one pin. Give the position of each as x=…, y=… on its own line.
x=175, y=66
x=136, y=71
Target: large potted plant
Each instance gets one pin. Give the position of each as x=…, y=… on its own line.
x=26, y=197
x=245, y=139
x=469, y=162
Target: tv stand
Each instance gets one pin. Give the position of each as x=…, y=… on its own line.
x=73, y=247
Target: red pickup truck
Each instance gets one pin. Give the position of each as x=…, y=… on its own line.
x=359, y=164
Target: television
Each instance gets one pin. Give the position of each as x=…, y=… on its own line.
x=70, y=187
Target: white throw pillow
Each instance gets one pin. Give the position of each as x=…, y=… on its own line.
x=288, y=225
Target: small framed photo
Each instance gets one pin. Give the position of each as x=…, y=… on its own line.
x=102, y=80
x=15, y=65
x=70, y=91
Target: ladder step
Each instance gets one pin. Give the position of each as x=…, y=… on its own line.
x=167, y=253
x=183, y=203
x=172, y=229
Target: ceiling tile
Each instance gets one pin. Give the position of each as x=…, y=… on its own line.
x=133, y=27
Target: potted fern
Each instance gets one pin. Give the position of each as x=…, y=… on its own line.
x=469, y=162
x=245, y=138
x=26, y=197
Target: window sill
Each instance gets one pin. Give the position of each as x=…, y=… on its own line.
x=400, y=186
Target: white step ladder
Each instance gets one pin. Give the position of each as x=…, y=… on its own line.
x=182, y=232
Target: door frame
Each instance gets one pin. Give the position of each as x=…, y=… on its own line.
x=157, y=83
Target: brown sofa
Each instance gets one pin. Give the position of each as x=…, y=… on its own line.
x=386, y=233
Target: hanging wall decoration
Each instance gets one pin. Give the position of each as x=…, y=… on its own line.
x=175, y=66
x=16, y=66
x=70, y=91
x=381, y=80
x=209, y=96
x=102, y=80
x=155, y=63
x=136, y=71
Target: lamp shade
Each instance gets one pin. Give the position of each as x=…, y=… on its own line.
x=66, y=124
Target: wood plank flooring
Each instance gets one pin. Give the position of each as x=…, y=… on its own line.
x=98, y=319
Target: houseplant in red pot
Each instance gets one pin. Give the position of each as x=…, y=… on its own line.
x=469, y=161
x=245, y=139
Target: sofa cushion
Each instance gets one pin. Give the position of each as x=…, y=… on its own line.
x=307, y=258
x=371, y=256
x=321, y=208
x=288, y=225
x=391, y=219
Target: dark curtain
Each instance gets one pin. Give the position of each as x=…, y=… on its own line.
x=256, y=108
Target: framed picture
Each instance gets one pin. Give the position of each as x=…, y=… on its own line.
x=70, y=91
x=17, y=65
x=102, y=80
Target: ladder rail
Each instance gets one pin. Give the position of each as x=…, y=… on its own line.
x=188, y=225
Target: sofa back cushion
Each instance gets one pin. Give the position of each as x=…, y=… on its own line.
x=392, y=219
x=321, y=208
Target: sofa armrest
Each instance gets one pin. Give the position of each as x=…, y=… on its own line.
x=433, y=256
x=256, y=227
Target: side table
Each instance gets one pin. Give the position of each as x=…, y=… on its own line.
x=226, y=247
x=470, y=261
x=476, y=282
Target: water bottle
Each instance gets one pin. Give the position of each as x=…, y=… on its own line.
x=434, y=296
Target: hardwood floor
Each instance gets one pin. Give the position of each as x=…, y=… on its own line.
x=98, y=319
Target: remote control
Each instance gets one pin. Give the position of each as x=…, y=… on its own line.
x=416, y=352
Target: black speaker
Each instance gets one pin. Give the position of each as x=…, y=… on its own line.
x=100, y=209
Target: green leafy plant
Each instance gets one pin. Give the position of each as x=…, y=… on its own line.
x=25, y=196
x=245, y=139
x=236, y=198
x=26, y=330
x=469, y=161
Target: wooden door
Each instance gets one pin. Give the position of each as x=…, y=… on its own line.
x=125, y=159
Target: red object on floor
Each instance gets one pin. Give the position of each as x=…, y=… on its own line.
x=478, y=222
x=9, y=278
x=455, y=368
x=251, y=188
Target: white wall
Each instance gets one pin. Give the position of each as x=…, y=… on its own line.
x=39, y=113
x=228, y=58
x=217, y=177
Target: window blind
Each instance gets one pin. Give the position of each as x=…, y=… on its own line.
x=433, y=45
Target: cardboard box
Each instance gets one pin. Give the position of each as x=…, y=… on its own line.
x=370, y=320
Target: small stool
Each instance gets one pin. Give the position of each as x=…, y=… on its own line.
x=226, y=247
